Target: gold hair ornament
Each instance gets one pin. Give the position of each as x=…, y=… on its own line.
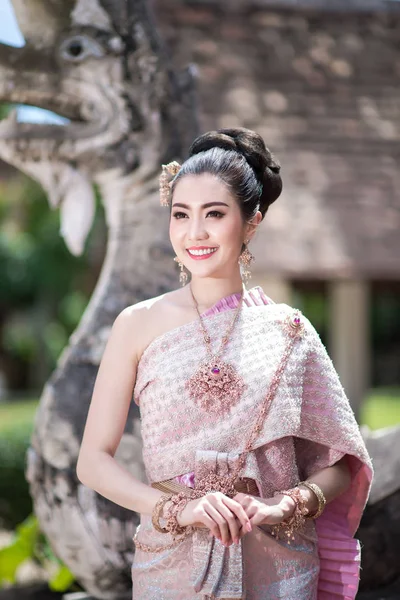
x=167, y=174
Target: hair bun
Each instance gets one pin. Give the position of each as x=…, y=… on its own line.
x=251, y=145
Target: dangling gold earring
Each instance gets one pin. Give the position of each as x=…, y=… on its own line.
x=183, y=276
x=245, y=260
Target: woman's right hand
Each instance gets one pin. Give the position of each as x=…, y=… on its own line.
x=225, y=518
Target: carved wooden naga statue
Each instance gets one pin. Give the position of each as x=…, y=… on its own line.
x=101, y=65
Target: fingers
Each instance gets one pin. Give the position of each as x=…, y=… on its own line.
x=239, y=512
x=226, y=521
x=209, y=522
x=201, y=514
x=225, y=517
x=237, y=521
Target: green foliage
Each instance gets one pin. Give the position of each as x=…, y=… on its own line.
x=4, y=110
x=386, y=318
x=29, y=543
x=381, y=408
x=61, y=580
x=17, y=414
x=34, y=260
x=314, y=306
x=44, y=288
x=385, y=336
x=15, y=500
x=19, y=550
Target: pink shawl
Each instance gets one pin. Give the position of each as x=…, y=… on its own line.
x=309, y=425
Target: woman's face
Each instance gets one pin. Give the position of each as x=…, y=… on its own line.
x=206, y=227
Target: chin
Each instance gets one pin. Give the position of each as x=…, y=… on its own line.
x=216, y=273
x=202, y=275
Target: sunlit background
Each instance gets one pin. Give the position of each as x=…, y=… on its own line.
x=44, y=291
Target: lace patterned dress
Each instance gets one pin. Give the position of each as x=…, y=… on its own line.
x=309, y=425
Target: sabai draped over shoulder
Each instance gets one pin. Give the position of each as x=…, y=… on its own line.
x=309, y=424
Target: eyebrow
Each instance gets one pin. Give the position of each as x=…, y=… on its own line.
x=207, y=205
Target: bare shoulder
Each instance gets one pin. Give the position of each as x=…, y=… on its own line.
x=152, y=307
x=150, y=318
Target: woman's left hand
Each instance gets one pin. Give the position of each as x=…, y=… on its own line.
x=269, y=511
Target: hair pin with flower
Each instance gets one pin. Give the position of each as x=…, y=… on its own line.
x=167, y=174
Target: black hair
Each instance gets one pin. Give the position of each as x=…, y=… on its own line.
x=241, y=160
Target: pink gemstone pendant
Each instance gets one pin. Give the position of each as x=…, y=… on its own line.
x=215, y=388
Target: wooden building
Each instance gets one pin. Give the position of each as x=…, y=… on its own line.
x=319, y=81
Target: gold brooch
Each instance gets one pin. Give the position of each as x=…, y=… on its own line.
x=294, y=323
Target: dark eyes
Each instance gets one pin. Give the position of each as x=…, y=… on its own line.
x=213, y=213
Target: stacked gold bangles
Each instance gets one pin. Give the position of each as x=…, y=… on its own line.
x=298, y=518
x=320, y=496
x=181, y=495
x=176, y=496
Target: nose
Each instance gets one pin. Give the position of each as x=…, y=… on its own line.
x=197, y=229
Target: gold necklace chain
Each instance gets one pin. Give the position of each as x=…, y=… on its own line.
x=225, y=338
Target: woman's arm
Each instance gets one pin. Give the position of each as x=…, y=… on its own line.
x=112, y=395
x=333, y=481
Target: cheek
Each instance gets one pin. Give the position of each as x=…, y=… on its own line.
x=173, y=228
x=177, y=233
x=232, y=232
x=172, y=235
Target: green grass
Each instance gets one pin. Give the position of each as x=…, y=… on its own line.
x=17, y=412
x=381, y=408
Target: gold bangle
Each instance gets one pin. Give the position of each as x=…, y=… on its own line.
x=296, y=520
x=158, y=507
x=320, y=497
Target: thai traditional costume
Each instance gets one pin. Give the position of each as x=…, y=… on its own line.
x=308, y=425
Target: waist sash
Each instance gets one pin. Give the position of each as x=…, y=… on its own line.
x=217, y=570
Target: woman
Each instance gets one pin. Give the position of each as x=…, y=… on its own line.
x=258, y=474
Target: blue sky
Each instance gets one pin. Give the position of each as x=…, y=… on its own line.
x=9, y=30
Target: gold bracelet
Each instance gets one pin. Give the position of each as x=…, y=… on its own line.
x=158, y=507
x=296, y=520
x=178, y=503
x=320, y=497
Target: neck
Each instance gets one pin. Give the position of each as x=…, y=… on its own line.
x=209, y=290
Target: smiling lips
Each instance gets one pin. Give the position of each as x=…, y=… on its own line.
x=200, y=252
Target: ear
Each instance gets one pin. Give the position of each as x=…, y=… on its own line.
x=251, y=226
